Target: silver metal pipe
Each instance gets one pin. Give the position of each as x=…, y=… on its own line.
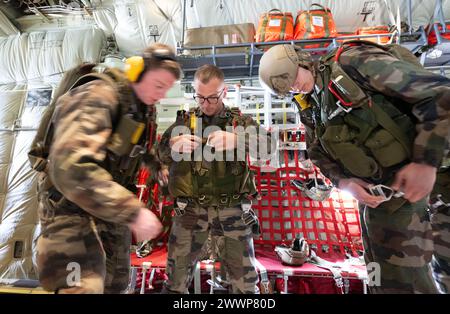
x=183, y=30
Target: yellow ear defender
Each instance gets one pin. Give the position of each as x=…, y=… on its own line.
x=134, y=67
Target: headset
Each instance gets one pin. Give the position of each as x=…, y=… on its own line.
x=135, y=66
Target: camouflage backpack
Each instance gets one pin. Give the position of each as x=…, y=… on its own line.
x=350, y=81
x=77, y=76
x=396, y=50
x=351, y=89
x=364, y=130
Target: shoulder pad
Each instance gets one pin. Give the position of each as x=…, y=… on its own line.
x=117, y=75
x=92, y=77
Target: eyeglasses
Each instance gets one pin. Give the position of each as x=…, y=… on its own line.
x=211, y=99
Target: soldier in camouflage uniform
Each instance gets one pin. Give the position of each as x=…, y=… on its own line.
x=374, y=118
x=101, y=131
x=211, y=195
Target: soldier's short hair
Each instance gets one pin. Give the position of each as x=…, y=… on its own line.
x=207, y=72
x=155, y=63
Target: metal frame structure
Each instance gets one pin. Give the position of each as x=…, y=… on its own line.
x=244, y=65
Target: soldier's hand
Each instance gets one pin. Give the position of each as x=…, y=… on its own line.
x=163, y=177
x=222, y=140
x=358, y=188
x=185, y=143
x=147, y=226
x=415, y=180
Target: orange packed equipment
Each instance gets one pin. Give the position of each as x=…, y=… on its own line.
x=275, y=26
x=375, y=30
x=313, y=24
x=432, y=38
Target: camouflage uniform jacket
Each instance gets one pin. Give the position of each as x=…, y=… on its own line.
x=417, y=92
x=79, y=166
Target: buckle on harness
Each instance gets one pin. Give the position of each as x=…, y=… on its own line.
x=439, y=202
x=386, y=192
x=339, y=110
x=201, y=199
x=180, y=209
x=137, y=150
x=249, y=217
x=223, y=199
x=339, y=281
x=265, y=287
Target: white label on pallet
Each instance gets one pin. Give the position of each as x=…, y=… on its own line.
x=234, y=38
x=275, y=23
x=317, y=21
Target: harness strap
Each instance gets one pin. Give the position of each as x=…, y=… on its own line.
x=333, y=268
x=265, y=282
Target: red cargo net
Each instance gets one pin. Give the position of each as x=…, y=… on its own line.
x=331, y=227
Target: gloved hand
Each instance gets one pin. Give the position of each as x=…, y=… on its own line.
x=146, y=226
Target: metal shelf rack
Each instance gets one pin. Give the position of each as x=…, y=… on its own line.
x=244, y=65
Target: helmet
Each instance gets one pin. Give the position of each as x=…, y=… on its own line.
x=295, y=255
x=316, y=188
x=279, y=66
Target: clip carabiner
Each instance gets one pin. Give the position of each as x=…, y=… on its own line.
x=136, y=151
x=385, y=191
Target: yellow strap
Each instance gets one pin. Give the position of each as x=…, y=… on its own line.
x=137, y=133
x=193, y=123
x=258, y=118
x=301, y=100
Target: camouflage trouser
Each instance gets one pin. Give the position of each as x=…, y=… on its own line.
x=81, y=254
x=440, y=221
x=188, y=236
x=401, y=243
